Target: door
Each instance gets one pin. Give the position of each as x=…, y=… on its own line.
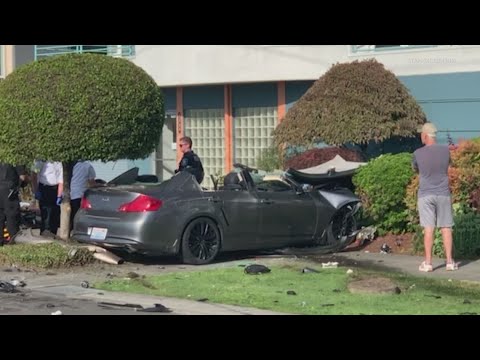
x=241, y=211
x=286, y=218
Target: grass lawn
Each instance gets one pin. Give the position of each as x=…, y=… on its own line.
x=316, y=293
x=45, y=256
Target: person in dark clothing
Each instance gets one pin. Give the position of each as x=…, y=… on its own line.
x=11, y=178
x=190, y=161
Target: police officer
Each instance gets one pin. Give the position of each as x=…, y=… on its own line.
x=190, y=161
x=10, y=178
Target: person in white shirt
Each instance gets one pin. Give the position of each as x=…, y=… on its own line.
x=83, y=177
x=47, y=185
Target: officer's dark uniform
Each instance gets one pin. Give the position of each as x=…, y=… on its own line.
x=9, y=201
x=191, y=162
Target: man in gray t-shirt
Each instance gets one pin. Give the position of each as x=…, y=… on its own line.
x=434, y=200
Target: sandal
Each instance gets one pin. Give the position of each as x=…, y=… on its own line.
x=451, y=266
x=425, y=267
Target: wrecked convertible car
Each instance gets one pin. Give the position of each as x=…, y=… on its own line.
x=249, y=211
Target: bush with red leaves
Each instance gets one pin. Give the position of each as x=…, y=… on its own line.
x=319, y=156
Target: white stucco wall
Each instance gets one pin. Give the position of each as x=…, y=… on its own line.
x=172, y=65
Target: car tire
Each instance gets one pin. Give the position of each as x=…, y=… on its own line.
x=342, y=224
x=200, y=241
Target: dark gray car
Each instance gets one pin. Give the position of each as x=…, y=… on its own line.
x=248, y=212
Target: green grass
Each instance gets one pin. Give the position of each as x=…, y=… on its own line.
x=45, y=256
x=315, y=291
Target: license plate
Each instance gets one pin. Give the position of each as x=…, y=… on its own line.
x=98, y=234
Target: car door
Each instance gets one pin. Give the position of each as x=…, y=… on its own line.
x=286, y=217
x=241, y=211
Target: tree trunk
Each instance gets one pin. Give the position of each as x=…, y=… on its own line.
x=64, y=232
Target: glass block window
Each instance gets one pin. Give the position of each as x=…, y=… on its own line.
x=206, y=127
x=252, y=129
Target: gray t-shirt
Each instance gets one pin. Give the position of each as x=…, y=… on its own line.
x=432, y=163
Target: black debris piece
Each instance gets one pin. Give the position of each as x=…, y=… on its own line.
x=256, y=269
x=291, y=292
x=85, y=284
x=6, y=287
x=309, y=270
x=157, y=308
x=203, y=299
x=385, y=249
x=133, y=306
x=397, y=290
x=328, y=304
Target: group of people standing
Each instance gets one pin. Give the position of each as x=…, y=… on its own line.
x=46, y=179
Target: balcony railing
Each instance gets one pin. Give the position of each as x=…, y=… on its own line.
x=42, y=51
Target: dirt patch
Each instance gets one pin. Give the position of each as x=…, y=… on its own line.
x=395, y=244
x=373, y=285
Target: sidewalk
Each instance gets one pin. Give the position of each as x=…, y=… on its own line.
x=468, y=270
x=178, y=306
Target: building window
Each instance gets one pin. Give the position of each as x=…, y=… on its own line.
x=252, y=132
x=2, y=61
x=207, y=130
x=42, y=51
x=378, y=48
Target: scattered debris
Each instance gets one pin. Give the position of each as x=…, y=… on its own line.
x=156, y=308
x=110, y=275
x=397, y=290
x=109, y=258
x=366, y=233
x=434, y=296
x=17, y=283
x=466, y=301
x=309, y=270
x=385, y=249
x=329, y=265
x=336, y=290
x=411, y=287
x=50, y=273
x=202, y=299
x=291, y=292
x=6, y=287
x=133, y=306
x=58, y=312
x=349, y=271
x=50, y=305
x=133, y=275
x=328, y=304
x=256, y=269
x=380, y=261
x=100, y=293
x=85, y=284
x=161, y=267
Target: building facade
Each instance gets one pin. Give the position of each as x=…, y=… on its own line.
x=229, y=98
